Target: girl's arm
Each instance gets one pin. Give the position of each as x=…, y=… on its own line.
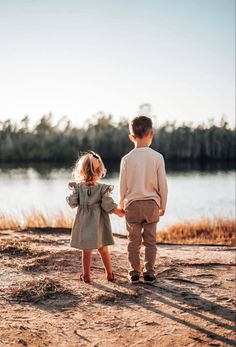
x=73, y=199
x=108, y=203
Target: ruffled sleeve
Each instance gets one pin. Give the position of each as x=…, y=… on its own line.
x=108, y=203
x=73, y=198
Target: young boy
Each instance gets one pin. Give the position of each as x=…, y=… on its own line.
x=143, y=196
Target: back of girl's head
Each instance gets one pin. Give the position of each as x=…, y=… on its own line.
x=140, y=126
x=89, y=168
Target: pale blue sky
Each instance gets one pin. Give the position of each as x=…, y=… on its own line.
x=78, y=57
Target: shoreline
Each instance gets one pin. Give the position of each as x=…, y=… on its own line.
x=216, y=231
x=67, y=231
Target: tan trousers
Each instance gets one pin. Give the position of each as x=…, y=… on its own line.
x=141, y=220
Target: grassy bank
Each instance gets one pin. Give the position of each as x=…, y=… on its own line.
x=35, y=219
x=204, y=231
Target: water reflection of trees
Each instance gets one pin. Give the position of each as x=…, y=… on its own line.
x=42, y=170
x=61, y=142
x=54, y=170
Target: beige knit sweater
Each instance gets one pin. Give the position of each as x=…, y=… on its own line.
x=143, y=177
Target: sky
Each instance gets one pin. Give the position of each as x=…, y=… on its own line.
x=76, y=58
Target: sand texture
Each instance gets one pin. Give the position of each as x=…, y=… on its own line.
x=43, y=302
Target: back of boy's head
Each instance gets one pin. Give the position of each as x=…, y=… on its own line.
x=140, y=126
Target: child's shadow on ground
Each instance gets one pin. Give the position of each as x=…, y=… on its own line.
x=164, y=293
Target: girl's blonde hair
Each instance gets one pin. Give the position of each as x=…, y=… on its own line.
x=89, y=168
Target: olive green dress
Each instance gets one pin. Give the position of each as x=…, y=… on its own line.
x=92, y=226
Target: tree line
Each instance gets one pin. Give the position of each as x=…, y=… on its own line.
x=61, y=142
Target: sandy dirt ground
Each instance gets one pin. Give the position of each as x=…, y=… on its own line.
x=191, y=304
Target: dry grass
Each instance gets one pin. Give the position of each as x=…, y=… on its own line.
x=205, y=231
x=38, y=219
x=39, y=240
x=38, y=290
x=18, y=249
x=37, y=265
x=8, y=222
x=35, y=219
x=56, y=261
x=117, y=297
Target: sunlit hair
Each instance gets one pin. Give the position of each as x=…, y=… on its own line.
x=140, y=126
x=89, y=168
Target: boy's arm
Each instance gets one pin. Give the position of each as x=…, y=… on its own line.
x=163, y=188
x=123, y=184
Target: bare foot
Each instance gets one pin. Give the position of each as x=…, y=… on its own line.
x=111, y=277
x=85, y=278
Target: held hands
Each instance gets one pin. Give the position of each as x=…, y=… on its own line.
x=161, y=213
x=119, y=212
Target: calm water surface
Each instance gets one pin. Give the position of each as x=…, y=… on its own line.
x=193, y=193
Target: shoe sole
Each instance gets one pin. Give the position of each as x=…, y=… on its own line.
x=134, y=282
x=149, y=282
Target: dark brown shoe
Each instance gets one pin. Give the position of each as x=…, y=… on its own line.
x=149, y=279
x=134, y=279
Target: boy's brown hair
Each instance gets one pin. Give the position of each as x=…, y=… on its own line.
x=140, y=126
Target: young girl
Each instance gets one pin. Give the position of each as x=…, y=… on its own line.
x=92, y=227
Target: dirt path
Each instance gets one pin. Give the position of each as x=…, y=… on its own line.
x=192, y=303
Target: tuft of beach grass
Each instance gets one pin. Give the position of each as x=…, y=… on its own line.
x=18, y=249
x=52, y=261
x=38, y=290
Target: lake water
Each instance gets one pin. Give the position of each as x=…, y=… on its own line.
x=193, y=192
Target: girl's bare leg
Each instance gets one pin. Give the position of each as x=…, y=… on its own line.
x=106, y=259
x=86, y=263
